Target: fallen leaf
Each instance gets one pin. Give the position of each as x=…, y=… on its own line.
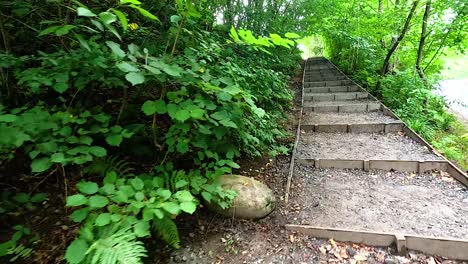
x=323, y=250
x=291, y=238
x=431, y=261
x=332, y=242
x=360, y=257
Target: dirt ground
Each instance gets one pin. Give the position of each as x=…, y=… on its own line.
x=431, y=204
x=365, y=146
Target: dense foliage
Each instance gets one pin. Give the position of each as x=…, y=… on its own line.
x=138, y=106
x=396, y=50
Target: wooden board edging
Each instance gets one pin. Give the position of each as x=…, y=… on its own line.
x=447, y=247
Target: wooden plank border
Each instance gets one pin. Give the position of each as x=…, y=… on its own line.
x=447, y=247
x=398, y=165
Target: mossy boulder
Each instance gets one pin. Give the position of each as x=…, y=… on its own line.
x=254, y=199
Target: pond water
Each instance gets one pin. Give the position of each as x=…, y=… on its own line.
x=456, y=94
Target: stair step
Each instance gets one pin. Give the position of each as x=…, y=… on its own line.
x=364, y=146
x=342, y=96
x=352, y=106
x=332, y=89
x=327, y=83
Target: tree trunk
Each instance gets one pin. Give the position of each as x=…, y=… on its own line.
x=395, y=45
x=422, y=41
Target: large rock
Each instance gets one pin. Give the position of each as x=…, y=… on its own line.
x=254, y=199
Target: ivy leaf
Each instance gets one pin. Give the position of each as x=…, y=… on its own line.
x=188, y=207
x=103, y=219
x=114, y=139
x=76, y=251
x=98, y=201
x=41, y=165
x=182, y=115
x=87, y=187
x=76, y=200
x=135, y=78
x=81, y=11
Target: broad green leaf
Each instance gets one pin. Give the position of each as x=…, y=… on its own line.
x=182, y=115
x=22, y=197
x=141, y=229
x=7, y=118
x=39, y=197
x=79, y=215
x=41, y=165
x=137, y=183
x=139, y=196
x=158, y=213
x=115, y=49
x=82, y=41
x=184, y=196
x=188, y=207
x=135, y=2
x=135, y=78
x=87, y=187
x=81, y=11
x=122, y=18
x=103, y=219
x=171, y=207
x=58, y=158
x=292, y=35
x=175, y=18
x=76, y=200
x=98, y=201
x=76, y=251
x=197, y=113
x=144, y=12
x=228, y=123
x=114, y=139
x=63, y=30
x=182, y=146
x=98, y=151
x=152, y=107
x=48, y=30
x=107, y=18
x=207, y=196
x=113, y=31
x=127, y=67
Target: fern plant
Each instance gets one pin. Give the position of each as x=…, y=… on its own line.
x=123, y=210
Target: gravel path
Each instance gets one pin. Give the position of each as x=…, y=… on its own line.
x=365, y=146
x=346, y=118
x=427, y=204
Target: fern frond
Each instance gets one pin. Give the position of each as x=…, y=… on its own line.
x=121, y=247
x=104, y=165
x=167, y=230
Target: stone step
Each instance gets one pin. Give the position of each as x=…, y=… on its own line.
x=332, y=89
x=328, y=83
x=347, y=118
x=363, y=146
x=335, y=96
x=352, y=106
x=325, y=78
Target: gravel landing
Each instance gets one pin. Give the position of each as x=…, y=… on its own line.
x=364, y=146
x=350, y=102
x=426, y=204
x=347, y=118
